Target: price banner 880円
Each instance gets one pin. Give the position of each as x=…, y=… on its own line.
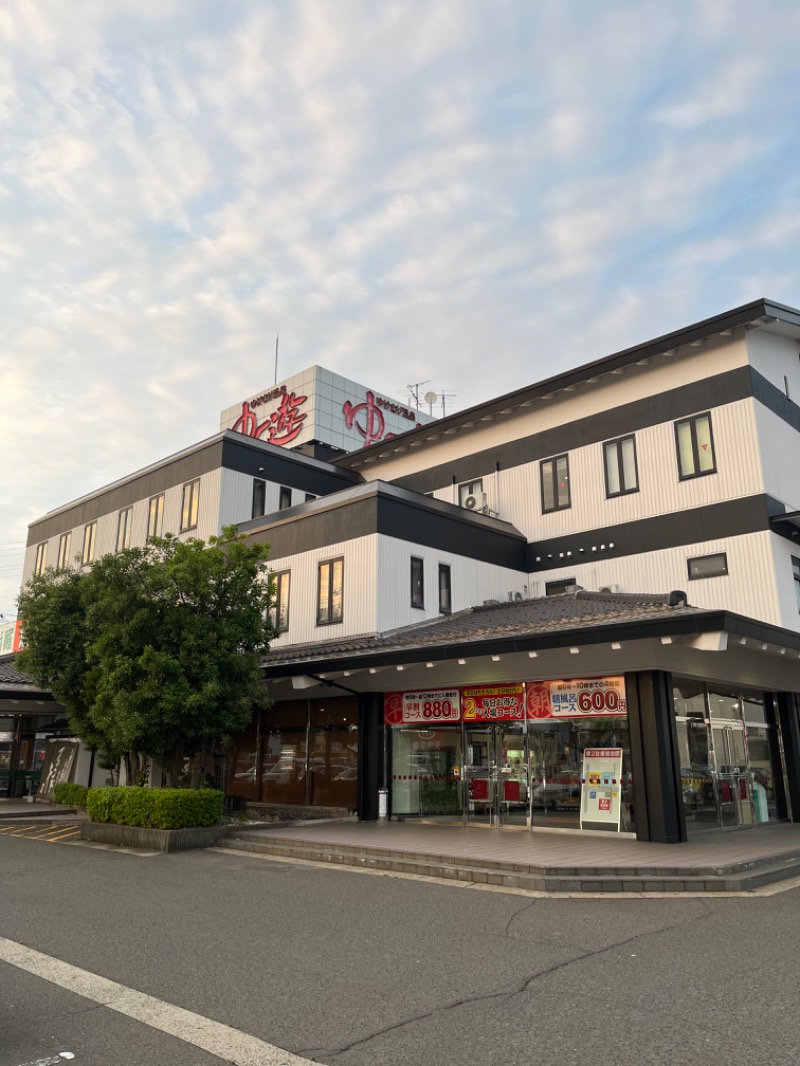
x=427, y=708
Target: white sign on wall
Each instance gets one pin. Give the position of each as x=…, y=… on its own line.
x=321, y=406
x=601, y=786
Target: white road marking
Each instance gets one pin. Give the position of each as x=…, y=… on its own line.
x=54, y=1060
x=231, y=1045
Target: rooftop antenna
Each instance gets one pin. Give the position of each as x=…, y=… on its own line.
x=414, y=390
x=276, y=359
x=443, y=396
x=430, y=400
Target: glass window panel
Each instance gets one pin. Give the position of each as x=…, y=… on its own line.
x=155, y=518
x=444, y=589
x=323, y=611
x=41, y=559
x=64, y=546
x=337, y=590
x=548, y=486
x=283, y=773
x=685, y=452
x=417, y=583
x=705, y=449
x=796, y=575
x=613, y=487
x=708, y=565
x=259, y=497
x=628, y=454
x=425, y=772
x=89, y=535
x=562, y=473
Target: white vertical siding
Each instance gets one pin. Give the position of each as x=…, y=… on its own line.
x=359, y=597
x=236, y=499
x=749, y=588
x=471, y=582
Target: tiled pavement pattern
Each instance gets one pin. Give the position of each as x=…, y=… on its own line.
x=716, y=862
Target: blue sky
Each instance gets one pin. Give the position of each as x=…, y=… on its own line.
x=466, y=193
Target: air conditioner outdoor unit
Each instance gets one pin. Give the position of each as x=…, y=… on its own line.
x=515, y=597
x=478, y=501
x=610, y=588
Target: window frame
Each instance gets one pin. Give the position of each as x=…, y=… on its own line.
x=329, y=566
x=711, y=555
x=281, y=606
x=418, y=582
x=559, y=586
x=692, y=421
x=259, y=489
x=796, y=577
x=553, y=461
x=64, y=548
x=617, y=443
x=159, y=518
x=124, y=520
x=284, y=498
x=190, y=505
x=445, y=571
x=89, y=543
x=40, y=563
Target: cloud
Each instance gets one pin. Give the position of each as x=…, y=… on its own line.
x=448, y=193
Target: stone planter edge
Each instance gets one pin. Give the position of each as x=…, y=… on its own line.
x=135, y=836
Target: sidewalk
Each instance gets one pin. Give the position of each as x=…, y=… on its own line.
x=557, y=862
x=21, y=810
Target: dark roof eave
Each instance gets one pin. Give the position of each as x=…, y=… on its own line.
x=682, y=625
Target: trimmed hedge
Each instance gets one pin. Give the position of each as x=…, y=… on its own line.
x=155, y=808
x=71, y=794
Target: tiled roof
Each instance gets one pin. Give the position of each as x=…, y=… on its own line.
x=578, y=610
x=9, y=675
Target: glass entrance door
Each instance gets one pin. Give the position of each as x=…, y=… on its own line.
x=495, y=775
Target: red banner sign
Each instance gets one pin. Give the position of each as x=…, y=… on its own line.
x=422, y=708
x=576, y=698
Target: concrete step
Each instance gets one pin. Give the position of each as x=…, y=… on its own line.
x=739, y=877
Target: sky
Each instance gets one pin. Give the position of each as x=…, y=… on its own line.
x=472, y=194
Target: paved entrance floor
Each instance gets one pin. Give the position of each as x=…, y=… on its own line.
x=19, y=809
x=715, y=861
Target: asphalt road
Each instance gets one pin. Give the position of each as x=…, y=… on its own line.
x=358, y=970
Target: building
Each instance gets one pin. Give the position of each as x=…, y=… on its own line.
x=573, y=606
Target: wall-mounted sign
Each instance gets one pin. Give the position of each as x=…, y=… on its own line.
x=493, y=703
x=321, y=406
x=576, y=698
x=422, y=708
x=601, y=786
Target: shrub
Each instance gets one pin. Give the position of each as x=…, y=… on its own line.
x=71, y=794
x=155, y=808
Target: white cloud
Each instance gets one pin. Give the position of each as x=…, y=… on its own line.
x=466, y=194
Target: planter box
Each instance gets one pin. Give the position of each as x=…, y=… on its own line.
x=135, y=836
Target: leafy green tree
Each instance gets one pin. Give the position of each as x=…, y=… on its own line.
x=155, y=652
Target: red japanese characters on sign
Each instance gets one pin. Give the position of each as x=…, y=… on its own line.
x=281, y=427
x=493, y=703
x=367, y=418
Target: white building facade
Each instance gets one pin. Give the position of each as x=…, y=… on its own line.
x=666, y=468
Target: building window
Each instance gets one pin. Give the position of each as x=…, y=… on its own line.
x=310, y=496
x=124, y=528
x=41, y=558
x=796, y=576
x=555, y=588
x=155, y=517
x=64, y=545
x=417, y=582
x=695, y=446
x=285, y=499
x=619, y=458
x=470, y=495
x=259, y=497
x=89, y=538
x=445, y=590
x=708, y=566
x=555, y=484
x=330, y=592
x=190, y=504
x=279, y=616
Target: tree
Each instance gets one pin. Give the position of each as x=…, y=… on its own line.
x=154, y=652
